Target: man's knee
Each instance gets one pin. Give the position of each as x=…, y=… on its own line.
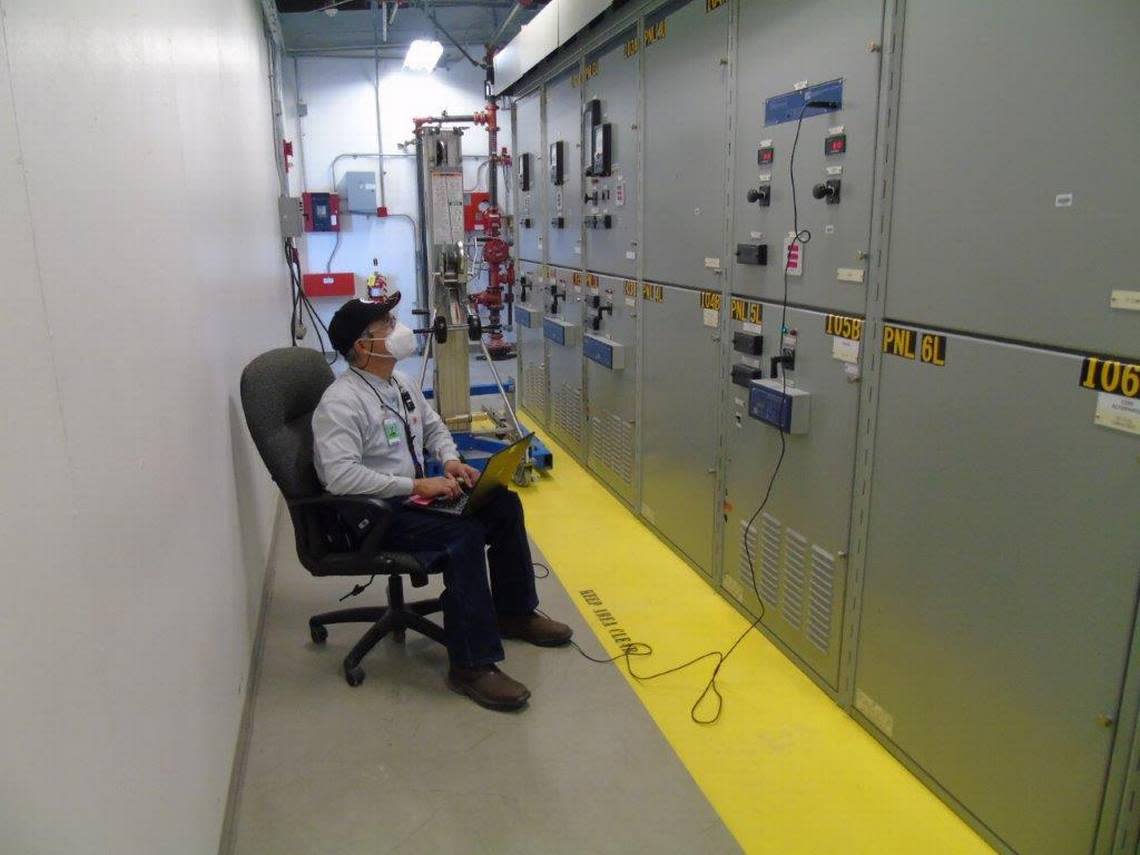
x=508, y=503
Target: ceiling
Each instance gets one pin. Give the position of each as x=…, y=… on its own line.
x=307, y=27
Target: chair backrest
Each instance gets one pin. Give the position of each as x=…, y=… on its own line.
x=279, y=391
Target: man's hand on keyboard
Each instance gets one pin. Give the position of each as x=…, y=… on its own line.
x=446, y=487
x=461, y=472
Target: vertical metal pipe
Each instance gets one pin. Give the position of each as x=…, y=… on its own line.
x=376, y=99
x=421, y=202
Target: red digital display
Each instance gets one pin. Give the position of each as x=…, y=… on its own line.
x=835, y=144
x=765, y=156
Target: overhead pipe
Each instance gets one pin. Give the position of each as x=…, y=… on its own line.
x=503, y=27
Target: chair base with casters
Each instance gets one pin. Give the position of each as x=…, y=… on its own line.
x=394, y=618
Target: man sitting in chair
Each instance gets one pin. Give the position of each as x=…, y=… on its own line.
x=370, y=433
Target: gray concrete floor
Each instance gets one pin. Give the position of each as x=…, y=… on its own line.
x=401, y=764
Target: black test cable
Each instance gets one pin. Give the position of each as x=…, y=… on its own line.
x=302, y=304
x=640, y=648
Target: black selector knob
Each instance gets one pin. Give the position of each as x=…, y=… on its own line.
x=761, y=196
x=555, y=296
x=828, y=189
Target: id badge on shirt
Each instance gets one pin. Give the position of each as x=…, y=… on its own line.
x=392, y=431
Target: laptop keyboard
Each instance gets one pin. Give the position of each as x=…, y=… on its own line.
x=457, y=503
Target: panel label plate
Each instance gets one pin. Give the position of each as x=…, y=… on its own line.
x=786, y=107
x=844, y=326
x=1118, y=413
x=914, y=344
x=1111, y=376
x=748, y=311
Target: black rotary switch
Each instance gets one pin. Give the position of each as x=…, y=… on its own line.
x=761, y=196
x=828, y=189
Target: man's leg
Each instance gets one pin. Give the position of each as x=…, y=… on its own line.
x=468, y=609
x=512, y=573
x=469, y=623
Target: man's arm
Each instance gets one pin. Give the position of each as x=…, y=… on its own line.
x=338, y=452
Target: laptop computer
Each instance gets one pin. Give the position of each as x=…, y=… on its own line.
x=498, y=472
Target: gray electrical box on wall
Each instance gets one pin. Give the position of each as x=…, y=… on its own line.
x=292, y=216
x=360, y=190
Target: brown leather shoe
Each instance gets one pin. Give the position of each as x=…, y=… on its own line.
x=535, y=628
x=489, y=687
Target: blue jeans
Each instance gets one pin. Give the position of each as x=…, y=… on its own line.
x=471, y=606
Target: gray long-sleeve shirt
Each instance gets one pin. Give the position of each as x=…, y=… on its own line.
x=359, y=444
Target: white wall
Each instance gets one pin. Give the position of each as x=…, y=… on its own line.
x=341, y=117
x=140, y=272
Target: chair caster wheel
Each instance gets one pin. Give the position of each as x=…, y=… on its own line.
x=354, y=676
x=319, y=633
x=398, y=636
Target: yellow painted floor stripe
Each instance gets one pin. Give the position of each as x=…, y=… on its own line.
x=787, y=770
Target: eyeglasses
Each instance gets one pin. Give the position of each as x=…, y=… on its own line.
x=374, y=331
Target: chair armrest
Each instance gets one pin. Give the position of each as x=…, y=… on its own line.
x=333, y=500
x=369, y=514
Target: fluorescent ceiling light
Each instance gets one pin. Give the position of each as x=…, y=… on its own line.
x=423, y=55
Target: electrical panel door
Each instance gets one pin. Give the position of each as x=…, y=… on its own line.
x=564, y=164
x=1016, y=177
x=784, y=46
x=685, y=144
x=610, y=351
x=563, y=328
x=610, y=140
x=680, y=398
x=529, y=310
x=1001, y=578
x=794, y=552
x=530, y=207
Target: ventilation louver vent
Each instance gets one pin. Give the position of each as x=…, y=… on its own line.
x=611, y=445
x=793, y=575
x=534, y=388
x=568, y=411
x=820, y=599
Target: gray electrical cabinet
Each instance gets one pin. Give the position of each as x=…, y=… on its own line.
x=794, y=551
x=564, y=169
x=685, y=144
x=836, y=147
x=960, y=420
x=1016, y=178
x=529, y=311
x=530, y=177
x=1001, y=581
x=609, y=347
x=610, y=145
x=679, y=397
x=562, y=328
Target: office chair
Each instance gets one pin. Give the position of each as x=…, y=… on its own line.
x=335, y=535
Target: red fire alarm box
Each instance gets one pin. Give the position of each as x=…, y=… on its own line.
x=475, y=212
x=322, y=212
x=329, y=284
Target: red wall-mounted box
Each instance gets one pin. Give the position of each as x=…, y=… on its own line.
x=329, y=284
x=474, y=218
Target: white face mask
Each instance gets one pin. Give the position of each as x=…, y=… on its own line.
x=400, y=342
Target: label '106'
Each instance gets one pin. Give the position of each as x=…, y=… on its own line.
x=1112, y=376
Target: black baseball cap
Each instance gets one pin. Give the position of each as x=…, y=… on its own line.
x=353, y=318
